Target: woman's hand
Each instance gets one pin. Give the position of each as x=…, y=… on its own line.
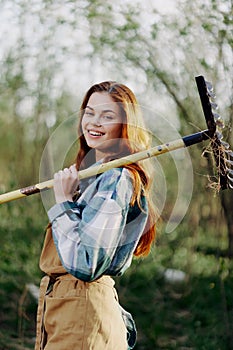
x=65, y=184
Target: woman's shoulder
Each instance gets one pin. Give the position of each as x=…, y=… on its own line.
x=116, y=175
x=116, y=180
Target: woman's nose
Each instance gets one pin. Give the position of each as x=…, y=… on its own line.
x=97, y=120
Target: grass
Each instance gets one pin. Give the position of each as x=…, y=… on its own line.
x=196, y=313
x=21, y=236
x=190, y=315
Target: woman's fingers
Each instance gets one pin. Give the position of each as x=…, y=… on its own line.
x=73, y=169
x=65, y=183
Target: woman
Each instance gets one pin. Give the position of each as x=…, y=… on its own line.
x=95, y=231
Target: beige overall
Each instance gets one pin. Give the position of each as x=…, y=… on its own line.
x=76, y=315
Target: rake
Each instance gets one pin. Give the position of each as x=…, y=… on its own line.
x=220, y=149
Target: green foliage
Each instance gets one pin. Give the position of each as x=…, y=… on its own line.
x=21, y=237
x=194, y=313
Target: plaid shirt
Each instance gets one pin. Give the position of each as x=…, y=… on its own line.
x=97, y=234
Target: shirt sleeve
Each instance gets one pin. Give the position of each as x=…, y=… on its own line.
x=87, y=236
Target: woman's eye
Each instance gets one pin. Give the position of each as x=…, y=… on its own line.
x=89, y=114
x=109, y=117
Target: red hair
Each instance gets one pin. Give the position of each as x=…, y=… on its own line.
x=135, y=138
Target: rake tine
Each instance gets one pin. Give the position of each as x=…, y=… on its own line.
x=211, y=94
x=210, y=90
x=225, y=144
x=229, y=153
x=230, y=171
x=219, y=135
x=230, y=184
x=220, y=123
x=217, y=117
x=230, y=162
x=214, y=105
x=209, y=86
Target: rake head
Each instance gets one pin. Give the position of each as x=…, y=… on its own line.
x=220, y=149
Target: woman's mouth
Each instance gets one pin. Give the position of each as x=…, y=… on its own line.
x=95, y=133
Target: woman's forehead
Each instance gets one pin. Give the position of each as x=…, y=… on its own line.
x=102, y=101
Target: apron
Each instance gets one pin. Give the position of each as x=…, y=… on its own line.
x=76, y=315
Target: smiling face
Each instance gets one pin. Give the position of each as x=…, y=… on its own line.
x=102, y=124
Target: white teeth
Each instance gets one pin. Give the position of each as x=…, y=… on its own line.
x=94, y=133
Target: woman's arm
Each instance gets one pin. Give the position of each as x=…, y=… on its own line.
x=88, y=233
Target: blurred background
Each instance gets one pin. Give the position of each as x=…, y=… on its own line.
x=181, y=296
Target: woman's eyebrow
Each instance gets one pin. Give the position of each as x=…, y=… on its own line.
x=108, y=110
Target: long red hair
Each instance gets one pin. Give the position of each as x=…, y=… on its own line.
x=135, y=138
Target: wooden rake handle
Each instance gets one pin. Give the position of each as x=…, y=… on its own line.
x=92, y=171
